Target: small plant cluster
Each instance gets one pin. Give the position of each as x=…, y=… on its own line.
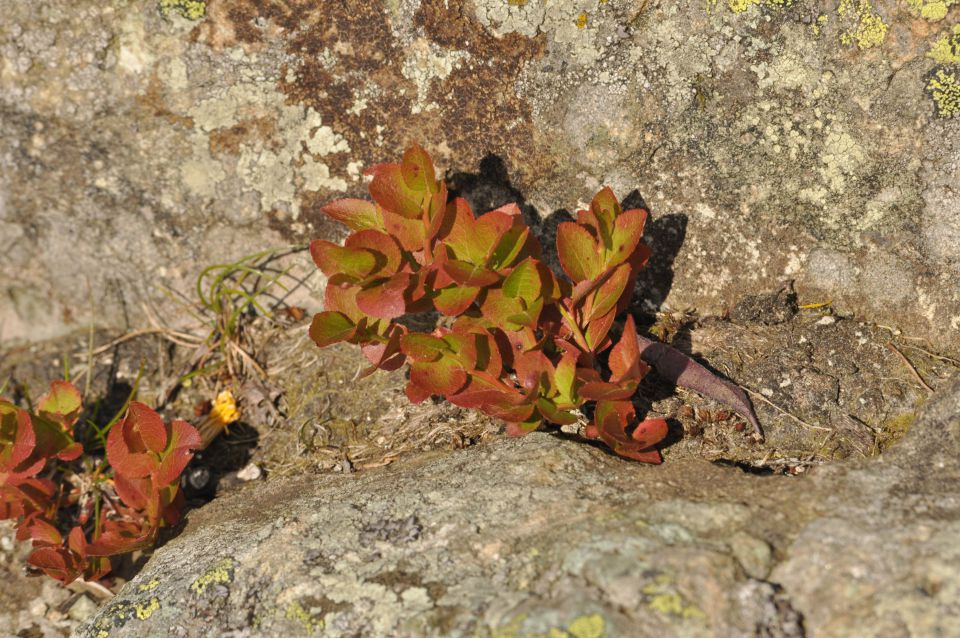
x=78, y=507
x=521, y=343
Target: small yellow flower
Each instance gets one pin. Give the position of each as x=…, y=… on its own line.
x=223, y=412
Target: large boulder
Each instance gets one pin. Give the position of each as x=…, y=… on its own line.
x=772, y=139
x=545, y=537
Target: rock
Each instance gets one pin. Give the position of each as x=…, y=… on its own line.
x=82, y=609
x=139, y=145
x=537, y=535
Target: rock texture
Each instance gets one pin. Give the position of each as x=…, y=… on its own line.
x=773, y=139
x=545, y=537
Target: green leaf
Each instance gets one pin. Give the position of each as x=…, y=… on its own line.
x=553, y=414
x=383, y=246
x=578, y=252
x=357, y=214
x=331, y=327
x=605, y=208
x=337, y=260
x=523, y=282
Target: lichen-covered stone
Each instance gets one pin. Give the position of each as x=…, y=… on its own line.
x=545, y=537
x=776, y=139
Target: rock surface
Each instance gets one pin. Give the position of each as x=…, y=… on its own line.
x=772, y=139
x=545, y=537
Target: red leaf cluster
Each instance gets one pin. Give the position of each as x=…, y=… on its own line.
x=525, y=345
x=77, y=517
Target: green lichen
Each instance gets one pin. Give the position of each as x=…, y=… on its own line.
x=944, y=88
x=946, y=50
x=145, y=610
x=932, y=10
x=591, y=626
x=662, y=598
x=219, y=573
x=868, y=28
x=189, y=9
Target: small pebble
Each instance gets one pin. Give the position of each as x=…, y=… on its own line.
x=827, y=320
x=250, y=473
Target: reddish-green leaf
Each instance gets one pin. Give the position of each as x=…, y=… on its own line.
x=578, y=252
x=610, y=292
x=390, y=190
x=523, y=281
x=410, y=233
x=454, y=300
x=470, y=274
x=385, y=300
x=355, y=263
x=625, y=359
x=423, y=348
x=627, y=232
x=385, y=250
x=331, y=327
x=439, y=377
x=417, y=170
x=62, y=403
x=358, y=214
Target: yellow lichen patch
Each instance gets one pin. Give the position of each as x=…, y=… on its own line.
x=946, y=50
x=740, y=6
x=153, y=584
x=582, y=20
x=818, y=24
x=587, y=626
x=932, y=10
x=296, y=612
x=944, y=88
x=661, y=597
x=517, y=3
x=868, y=30
x=189, y=9
x=591, y=626
x=145, y=610
x=219, y=573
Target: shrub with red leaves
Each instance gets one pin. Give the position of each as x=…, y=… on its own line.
x=77, y=508
x=526, y=345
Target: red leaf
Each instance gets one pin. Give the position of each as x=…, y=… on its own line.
x=416, y=393
x=385, y=300
x=410, y=233
x=184, y=439
x=578, y=252
x=625, y=359
x=143, y=429
x=650, y=432
x=610, y=292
